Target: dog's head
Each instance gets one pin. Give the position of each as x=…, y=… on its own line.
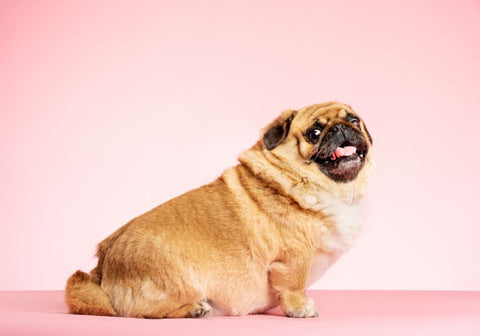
x=330, y=136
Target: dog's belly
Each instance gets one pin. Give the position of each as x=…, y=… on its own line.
x=250, y=293
x=262, y=302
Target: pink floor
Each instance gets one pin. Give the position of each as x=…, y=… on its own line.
x=358, y=313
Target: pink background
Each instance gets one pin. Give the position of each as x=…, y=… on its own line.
x=108, y=108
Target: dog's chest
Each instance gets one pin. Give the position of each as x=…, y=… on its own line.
x=335, y=238
x=344, y=222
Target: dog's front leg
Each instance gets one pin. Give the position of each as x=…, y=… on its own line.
x=288, y=279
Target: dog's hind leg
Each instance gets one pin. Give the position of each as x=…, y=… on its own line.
x=170, y=308
x=197, y=309
x=148, y=300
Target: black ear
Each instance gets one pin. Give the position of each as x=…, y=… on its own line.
x=278, y=130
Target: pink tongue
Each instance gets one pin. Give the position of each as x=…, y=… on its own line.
x=343, y=151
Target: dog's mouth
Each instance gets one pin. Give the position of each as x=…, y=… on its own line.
x=343, y=163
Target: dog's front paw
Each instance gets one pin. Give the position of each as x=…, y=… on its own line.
x=307, y=310
x=297, y=304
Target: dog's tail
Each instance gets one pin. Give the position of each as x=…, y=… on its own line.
x=85, y=296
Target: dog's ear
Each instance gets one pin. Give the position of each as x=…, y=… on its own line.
x=277, y=131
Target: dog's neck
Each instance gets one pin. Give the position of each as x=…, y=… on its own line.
x=304, y=187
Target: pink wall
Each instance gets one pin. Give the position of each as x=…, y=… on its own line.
x=110, y=108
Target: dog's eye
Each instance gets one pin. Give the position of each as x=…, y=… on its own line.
x=313, y=135
x=355, y=121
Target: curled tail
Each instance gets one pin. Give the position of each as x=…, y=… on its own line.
x=85, y=296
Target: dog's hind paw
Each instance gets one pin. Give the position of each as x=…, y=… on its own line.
x=199, y=309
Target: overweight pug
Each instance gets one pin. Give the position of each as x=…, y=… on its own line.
x=254, y=238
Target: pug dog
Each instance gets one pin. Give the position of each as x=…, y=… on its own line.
x=253, y=239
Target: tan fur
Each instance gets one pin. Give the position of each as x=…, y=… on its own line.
x=242, y=244
x=86, y=297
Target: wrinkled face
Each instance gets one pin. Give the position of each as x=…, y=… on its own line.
x=331, y=136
